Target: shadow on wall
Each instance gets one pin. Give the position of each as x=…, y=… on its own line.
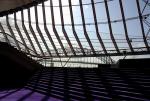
x=84, y=84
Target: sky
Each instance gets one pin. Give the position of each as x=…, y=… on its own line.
x=130, y=9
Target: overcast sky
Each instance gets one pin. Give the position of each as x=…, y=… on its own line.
x=130, y=9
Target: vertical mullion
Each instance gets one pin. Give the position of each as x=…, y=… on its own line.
x=19, y=32
x=63, y=28
x=27, y=34
x=6, y=38
x=142, y=26
x=12, y=33
x=39, y=31
x=46, y=30
x=110, y=27
x=96, y=26
x=73, y=28
x=54, y=29
x=84, y=28
x=125, y=26
x=33, y=33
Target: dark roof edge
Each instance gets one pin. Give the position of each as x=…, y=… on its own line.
x=11, y=11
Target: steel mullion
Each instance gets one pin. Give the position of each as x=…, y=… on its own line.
x=46, y=29
x=12, y=33
x=147, y=3
x=33, y=33
x=6, y=38
x=39, y=31
x=84, y=27
x=63, y=28
x=96, y=27
x=27, y=34
x=110, y=27
x=145, y=6
x=125, y=26
x=73, y=28
x=19, y=32
x=142, y=26
x=54, y=29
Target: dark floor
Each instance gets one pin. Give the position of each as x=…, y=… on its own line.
x=76, y=84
